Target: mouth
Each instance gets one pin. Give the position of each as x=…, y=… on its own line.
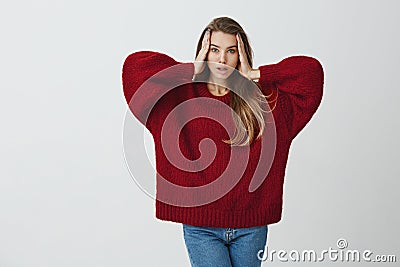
x=222, y=70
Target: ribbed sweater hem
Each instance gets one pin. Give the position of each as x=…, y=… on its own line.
x=218, y=218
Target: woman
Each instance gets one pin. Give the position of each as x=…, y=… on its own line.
x=222, y=132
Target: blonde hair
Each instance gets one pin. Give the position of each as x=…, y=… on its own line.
x=247, y=99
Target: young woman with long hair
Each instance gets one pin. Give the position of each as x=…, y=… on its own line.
x=222, y=132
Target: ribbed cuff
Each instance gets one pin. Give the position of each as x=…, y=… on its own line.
x=269, y=73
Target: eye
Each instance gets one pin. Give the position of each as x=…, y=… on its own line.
x=213, y=49
x=232, y=51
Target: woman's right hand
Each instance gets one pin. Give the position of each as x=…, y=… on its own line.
x=201, y=57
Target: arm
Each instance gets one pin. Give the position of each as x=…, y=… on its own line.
x=147, y=76
x=299, y=81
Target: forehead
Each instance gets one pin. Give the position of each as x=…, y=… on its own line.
x=222, y=39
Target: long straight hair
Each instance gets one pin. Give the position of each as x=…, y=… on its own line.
x=248, y=101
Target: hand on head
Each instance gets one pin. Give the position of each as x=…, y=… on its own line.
x=201, y=57
x=243, y=64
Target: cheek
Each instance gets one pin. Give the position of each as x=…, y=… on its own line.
x=234, y=60
x=211, y=57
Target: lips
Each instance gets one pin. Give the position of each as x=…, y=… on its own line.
x=222, y=69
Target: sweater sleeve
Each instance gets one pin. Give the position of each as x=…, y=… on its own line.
x=299, y=83
x=147, y=76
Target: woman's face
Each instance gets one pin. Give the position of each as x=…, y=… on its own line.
x=223, y=51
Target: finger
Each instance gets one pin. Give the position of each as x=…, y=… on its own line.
x=238, y=41
x=206, y=41
x=206, y=37
x=239, y=45
x=204, y=49
x=203, y=52
x=242, y=55
x=241, y=42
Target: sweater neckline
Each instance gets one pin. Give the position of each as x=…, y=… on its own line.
x=204, y=92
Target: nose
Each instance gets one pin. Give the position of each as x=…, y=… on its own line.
x=222, y=58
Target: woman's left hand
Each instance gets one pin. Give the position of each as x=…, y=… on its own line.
x=244, y=66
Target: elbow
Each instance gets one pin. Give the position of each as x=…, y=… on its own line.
x=316, y=72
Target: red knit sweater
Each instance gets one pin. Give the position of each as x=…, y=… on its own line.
x=201, y=180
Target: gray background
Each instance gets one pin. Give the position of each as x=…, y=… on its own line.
x=66, y=196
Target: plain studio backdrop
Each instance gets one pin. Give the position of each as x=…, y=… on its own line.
x=67, y=197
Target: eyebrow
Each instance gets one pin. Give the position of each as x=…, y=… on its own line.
x=235, y=46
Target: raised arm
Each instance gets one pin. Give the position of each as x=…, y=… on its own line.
x=299, y=82
x=147, y=76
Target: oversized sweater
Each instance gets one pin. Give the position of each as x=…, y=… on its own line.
x=201, y=180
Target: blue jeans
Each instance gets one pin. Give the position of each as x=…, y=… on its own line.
x=224, y=247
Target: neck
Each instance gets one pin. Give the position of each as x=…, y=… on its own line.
x=217, y=87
